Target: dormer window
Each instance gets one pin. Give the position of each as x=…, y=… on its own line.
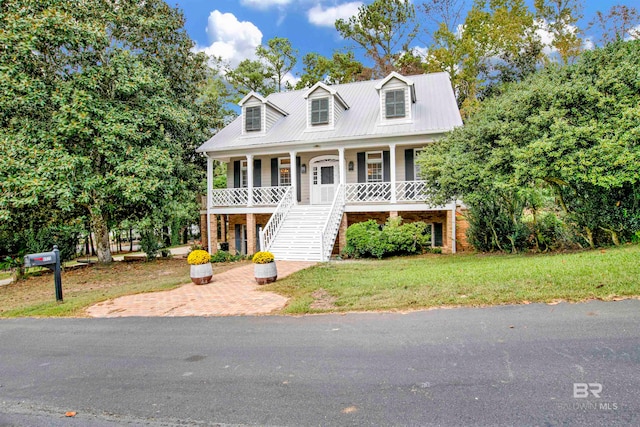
x=320, y=111
x=253, y=117
x=394, y=104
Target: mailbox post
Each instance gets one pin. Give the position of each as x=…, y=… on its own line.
x=50, y=260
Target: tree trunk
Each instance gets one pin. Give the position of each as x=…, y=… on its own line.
x=101, y=231
x=590, y=237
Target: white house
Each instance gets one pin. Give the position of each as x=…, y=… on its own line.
x=304, y=165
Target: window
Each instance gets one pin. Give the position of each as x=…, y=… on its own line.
x=374, y=167
x=253, y=116
x=394, y=103
x=320, y=111
x=416, y=166
x=243, y=174
x=284, y=175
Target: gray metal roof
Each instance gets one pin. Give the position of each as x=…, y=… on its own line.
x=435, y=111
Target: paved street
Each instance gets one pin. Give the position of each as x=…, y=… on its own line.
x=511, y=365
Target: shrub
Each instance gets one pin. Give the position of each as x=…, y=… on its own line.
x=224, y=256
x=408, y=238
x=198, y=257
x=263, y=257
x=149, y=243
x=367, y=239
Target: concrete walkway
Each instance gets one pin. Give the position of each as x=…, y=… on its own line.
x=231, y=293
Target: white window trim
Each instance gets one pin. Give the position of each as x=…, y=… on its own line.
x=376, y=161
x=280, y=166
x=416, y=176
x=256, y=131
x=328, y=122
x=404, y=103
x=244, y=174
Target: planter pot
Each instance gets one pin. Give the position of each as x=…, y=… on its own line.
x=265, y=273
x=201, y=274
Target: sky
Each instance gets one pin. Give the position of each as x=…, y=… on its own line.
x=233, y=28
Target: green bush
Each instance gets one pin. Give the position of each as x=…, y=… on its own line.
x=224, y=256
x=368, y=240
x=43, y=239
x=149, y=243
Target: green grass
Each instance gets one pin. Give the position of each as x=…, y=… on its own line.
x=35, y=296
x=465, y=280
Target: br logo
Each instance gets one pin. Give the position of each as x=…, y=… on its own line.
x=582, y=390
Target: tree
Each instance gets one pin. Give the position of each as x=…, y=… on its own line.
x=250, y=76
x=279, y=57
x=98, y=109
x=619, y=23
x=341, y=68
x=384, y=29
x=572, y=129
x=560, y=18
x=468, y=51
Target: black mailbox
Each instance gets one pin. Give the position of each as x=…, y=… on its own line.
x=40, y=260
x=50, y=260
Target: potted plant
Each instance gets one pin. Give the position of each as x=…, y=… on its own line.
x=201, y=271
x=264, y=268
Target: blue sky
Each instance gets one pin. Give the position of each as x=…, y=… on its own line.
x=233, y=28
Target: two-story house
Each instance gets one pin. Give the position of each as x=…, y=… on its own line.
x=304, y=165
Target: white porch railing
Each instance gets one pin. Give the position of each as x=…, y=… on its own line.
x=271, y=229
x=368, y=192
x=411, y=191
x=230, y=197
x=332, y=225
x=268, y=196
x=262, y=196
x=406, y=191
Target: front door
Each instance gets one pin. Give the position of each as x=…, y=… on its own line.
x=324, y=179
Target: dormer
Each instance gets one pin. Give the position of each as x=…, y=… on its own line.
x=397, y=93
x=259, y=114
x=324, y=107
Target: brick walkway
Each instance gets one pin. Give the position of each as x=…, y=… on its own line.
x=231, y=293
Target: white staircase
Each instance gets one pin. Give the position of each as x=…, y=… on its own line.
x=299, y=236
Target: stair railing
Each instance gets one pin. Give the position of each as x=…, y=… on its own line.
x=268, y=233
x=332, y=224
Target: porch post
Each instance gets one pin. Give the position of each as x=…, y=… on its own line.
x=453, y=227
x=250, y=179
x=343, y=169
x=294, y=176
x=392, y=161
x=209, y=194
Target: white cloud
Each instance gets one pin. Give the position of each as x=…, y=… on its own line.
x=264, y=4
x=291, y=79
x=321, y=17
x=233, y=40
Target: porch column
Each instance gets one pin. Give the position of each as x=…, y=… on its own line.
x=392, y=161
x=294, y=176
x=250, y=179
x=209, y=194
x=251, y=234
x=343, y=168
x=453, y=227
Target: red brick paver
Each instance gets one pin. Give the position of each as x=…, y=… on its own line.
x=231, y=293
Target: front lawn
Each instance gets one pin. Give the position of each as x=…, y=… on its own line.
x=469, y=280
x=82, y=288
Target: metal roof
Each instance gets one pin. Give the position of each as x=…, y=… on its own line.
x=435, y=111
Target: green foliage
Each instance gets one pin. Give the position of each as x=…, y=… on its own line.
x=340, y=68
x=99, y=111
x=149, y=243
x=370, y=240
x=571, y=130
x=384, y=29
x=224, y=256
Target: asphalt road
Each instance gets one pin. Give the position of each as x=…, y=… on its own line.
x=510, y=365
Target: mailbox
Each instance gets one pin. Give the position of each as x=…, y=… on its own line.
x=50, y=260
x=40, y=260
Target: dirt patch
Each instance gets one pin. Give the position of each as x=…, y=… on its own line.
x=323, y=300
